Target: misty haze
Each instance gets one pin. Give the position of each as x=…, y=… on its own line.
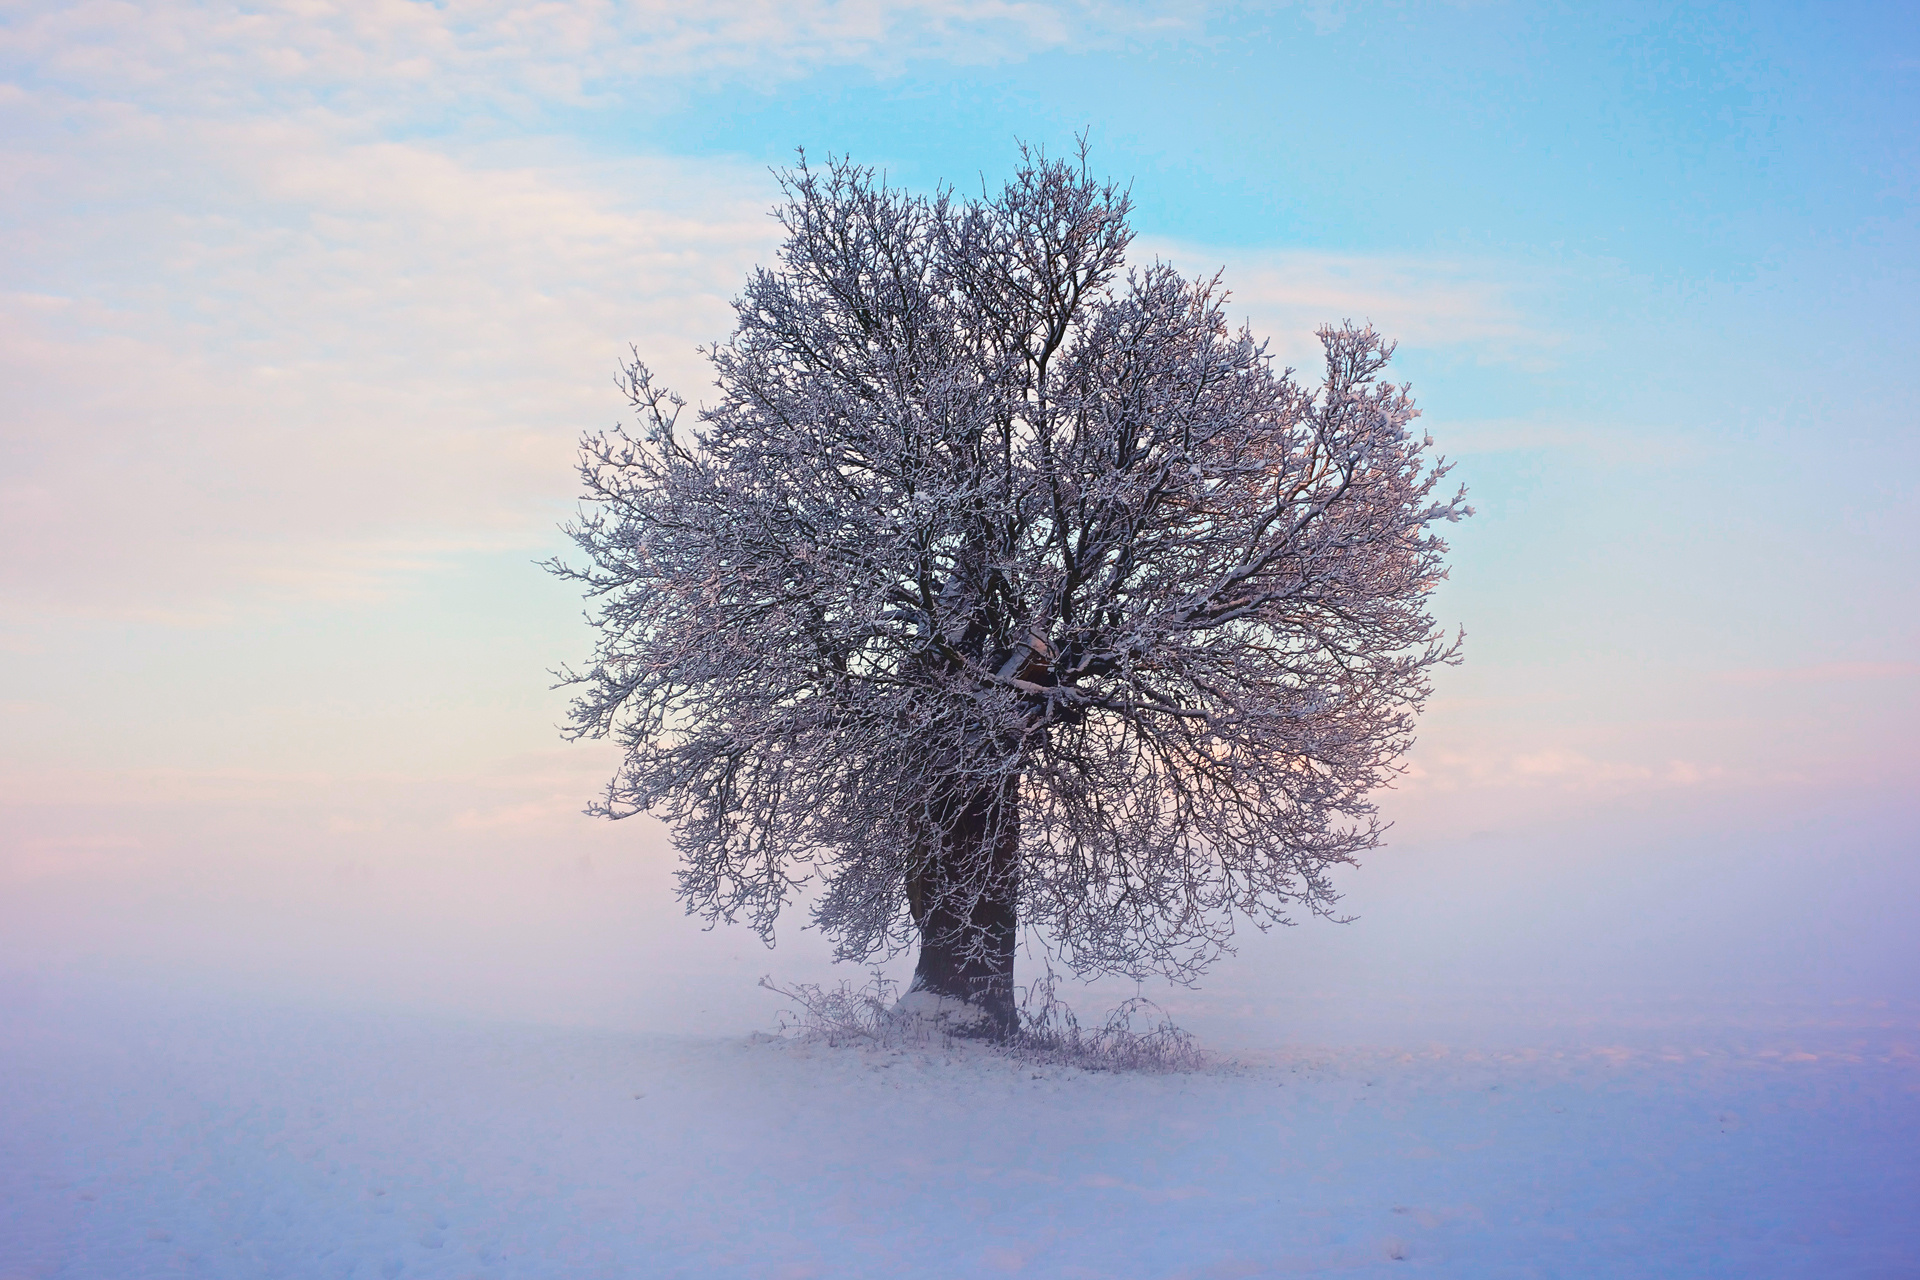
x=1094, y=799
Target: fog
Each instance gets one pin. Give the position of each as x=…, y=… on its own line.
x=1630, y=925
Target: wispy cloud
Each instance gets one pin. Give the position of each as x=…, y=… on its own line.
x=1560, y=769
x=77, y=821
x=1436, y=303
x=386, y=57
x=286, y=364
x=1824, y=673
x=1612, y=442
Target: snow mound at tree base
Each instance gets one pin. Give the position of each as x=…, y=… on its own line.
x=938, y=1014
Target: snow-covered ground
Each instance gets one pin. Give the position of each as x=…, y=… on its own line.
x=236, y=1140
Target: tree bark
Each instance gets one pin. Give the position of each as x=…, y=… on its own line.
x=963, y=893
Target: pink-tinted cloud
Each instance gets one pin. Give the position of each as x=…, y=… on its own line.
x=299, y=367
x=1824, y=673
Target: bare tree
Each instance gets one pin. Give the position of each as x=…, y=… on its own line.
x=1005, y=585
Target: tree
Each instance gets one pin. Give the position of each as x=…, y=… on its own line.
x=1004, y=585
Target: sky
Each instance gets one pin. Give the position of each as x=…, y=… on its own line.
x=306, y=304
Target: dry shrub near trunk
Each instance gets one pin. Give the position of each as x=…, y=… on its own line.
x=1136, y=1036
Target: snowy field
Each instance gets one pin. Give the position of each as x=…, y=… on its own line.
x=242, y=1141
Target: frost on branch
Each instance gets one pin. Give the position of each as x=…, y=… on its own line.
x=1004, y=584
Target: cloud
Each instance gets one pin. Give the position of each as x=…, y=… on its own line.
x=386, y=58
x=1557, y=768
x=75, y=820
x=1617, y=443
x=1437, y=303
x=1472, y=784
x=1823, y=673
x=273, y=362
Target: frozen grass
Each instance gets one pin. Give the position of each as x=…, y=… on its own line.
x=848, y=1015
x=1136, y=1036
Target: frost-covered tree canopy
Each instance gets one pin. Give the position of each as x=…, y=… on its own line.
x=1004, y=581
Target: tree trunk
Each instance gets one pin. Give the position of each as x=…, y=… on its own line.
x=963, y=893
